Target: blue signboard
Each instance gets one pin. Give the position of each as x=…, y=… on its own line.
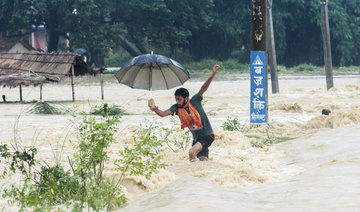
x=258, y=100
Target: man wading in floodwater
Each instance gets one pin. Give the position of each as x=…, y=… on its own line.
x=192, y=116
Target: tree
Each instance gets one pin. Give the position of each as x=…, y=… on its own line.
x=95, y=29
x=15, y=14
x=54, y=15
x=160, y=25
x=227, y=32
x=345, y=32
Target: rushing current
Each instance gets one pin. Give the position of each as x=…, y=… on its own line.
x=318, y=169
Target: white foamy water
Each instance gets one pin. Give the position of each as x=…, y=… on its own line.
x=316, y=171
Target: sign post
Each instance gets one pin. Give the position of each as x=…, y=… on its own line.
x=258, y=64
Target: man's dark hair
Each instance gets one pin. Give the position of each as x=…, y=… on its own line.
x=182, y=92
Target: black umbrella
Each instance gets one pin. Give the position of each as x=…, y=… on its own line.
x=79, y=51
x=152, y=72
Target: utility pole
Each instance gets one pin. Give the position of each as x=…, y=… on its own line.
x=258, y=25
x=272, y=49
x=325, y=29
x=258, y=64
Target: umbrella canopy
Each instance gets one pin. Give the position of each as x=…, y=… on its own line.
x=152, y=72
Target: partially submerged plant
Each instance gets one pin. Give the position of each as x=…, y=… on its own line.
x=46, y=108
x=84, y=186
x=233, y=124
x=173, y=140
x=143, y=158
x=267, y=137
x=111, y=110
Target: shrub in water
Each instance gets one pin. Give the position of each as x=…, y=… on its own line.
x=111, y=110
x=45, y=108
x=85, y=186
x=231, y=124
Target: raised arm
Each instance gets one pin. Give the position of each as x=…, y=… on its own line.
x=156, y=109
x=206, y=84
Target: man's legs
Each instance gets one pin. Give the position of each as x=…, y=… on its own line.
x=195, y=149
x=200, y=148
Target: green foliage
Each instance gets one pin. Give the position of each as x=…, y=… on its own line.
x=4, y=151
x=84, y=186
x=305, y=68
x=57, y=185
x=281, y=69
x=51, y=186
x=242, y=55
x=188, y=30
x=173, y=140
x=21, y=159
x=111, y=110
x=227, y=66
x=117, y=59
x=46, y=108
x=233, y=124
x=267, y=137
x=15, y=15
x=143, y=157
x=348, y=69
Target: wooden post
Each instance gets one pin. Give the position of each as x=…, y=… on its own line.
x=325, y=29
x=102, y=84
x=72, y=82
x=20, y=89
x=272, y=49
x=41, y=93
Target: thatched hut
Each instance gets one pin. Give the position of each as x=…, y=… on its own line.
x=15, y=44
x=36, y=68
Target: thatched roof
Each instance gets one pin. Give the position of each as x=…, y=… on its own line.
x=37, y=68
x=7, y=43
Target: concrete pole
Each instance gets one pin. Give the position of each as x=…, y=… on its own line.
x=258, y=34
x=272, y=49
x=325, y=29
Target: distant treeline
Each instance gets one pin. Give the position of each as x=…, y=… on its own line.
x=189, y=30
x=234, y=66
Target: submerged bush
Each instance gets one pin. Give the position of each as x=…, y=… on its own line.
x=233, y=124
x=266, y=137
x=111, y=110
x=84, y=186
x=46, y=108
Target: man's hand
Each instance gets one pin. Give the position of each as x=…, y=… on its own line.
x=215, y=69
x=151, y=104
x=206, y=84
